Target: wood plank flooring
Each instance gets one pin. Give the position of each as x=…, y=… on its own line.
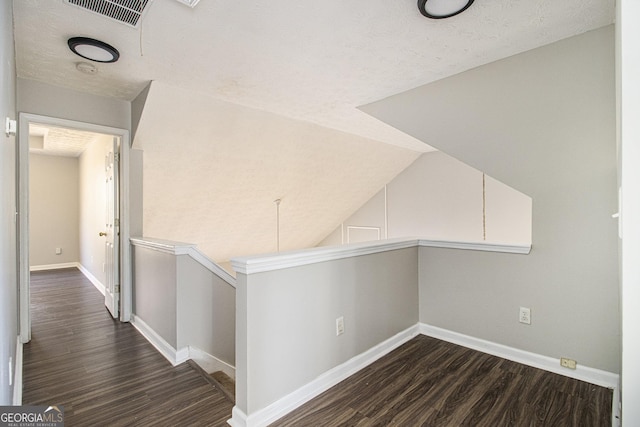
x=105, y=373
x=428, y=382
x=102, y=371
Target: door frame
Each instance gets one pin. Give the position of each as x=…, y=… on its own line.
x=23, y=212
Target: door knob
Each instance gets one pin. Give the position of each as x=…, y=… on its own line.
x=102, y=233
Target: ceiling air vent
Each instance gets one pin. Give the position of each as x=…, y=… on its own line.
x=127, y=12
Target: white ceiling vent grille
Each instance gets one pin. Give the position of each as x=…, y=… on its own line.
x=127, y=12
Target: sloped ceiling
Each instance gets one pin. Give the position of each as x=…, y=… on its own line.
x=258, y=101
x=515, y=118
x=215, y=184
x=312, y=61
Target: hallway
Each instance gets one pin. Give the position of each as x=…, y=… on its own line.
x=104, y=372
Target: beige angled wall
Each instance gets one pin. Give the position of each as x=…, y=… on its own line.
x=92, y=195
x=53, y=210
x=213, y=169
x=438, y=197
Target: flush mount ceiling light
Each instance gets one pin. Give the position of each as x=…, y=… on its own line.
x=440, y=9
x=93, y=50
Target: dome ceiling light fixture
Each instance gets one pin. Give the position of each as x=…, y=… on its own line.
x=440, y=9
x=93, y=50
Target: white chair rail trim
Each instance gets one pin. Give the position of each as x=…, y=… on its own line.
x=277, y=261
x=180, y=248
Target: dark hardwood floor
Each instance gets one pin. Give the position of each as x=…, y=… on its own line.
x=105, y=373
x=428, y=382
x=102, y=371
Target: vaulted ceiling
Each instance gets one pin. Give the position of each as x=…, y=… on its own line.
x=268, y=94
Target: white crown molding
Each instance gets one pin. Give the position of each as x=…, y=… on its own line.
x=269, y=262
x=180, y=248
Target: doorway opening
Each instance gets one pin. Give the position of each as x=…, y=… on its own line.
x=52, y=151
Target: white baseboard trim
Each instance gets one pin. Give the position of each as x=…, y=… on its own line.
x=17, y=378
x=211, y=363
x=53, y=266
x=238, y=418
x=616, y=410
x=157, y=341
x=99, y=286
x=288, y=403
x=583, y=373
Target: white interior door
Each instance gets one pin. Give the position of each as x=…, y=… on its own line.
x=112, y=231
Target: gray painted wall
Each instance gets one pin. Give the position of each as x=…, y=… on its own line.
x=542, y=122
x=54, y=209
x=206, y=311
x=154, y=291
x=185, y=303
x=286, y=319
x=47, y=100
x=8, y=261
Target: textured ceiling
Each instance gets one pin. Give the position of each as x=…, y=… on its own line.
x=215, y=184
x=56, y=141
x=313, y=61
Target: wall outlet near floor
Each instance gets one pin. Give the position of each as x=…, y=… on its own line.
x=58, y=251
x=525, y=315
x=568, y=363
x=340, y=325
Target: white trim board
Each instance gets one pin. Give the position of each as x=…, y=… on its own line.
x=180, y=248
x=583, y=373
x=206, y=361
x=210, y=363
x=327, y=380
x=546, y=363
x=174, y=357
x=17, y=379
x=288, y=403
x=93, y=279
x=99, y=286
x=278, y=261
x=59, y=266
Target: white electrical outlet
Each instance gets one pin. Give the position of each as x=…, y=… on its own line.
x=58, y=251
x=525, y=315
x=568, y=363
x=340, y=325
